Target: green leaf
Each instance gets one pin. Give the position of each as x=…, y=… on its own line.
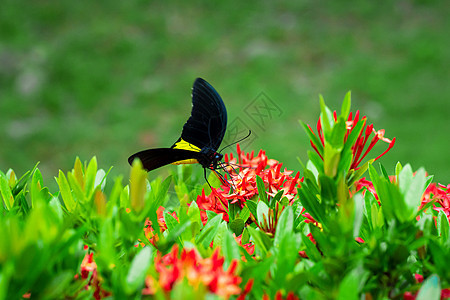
x=352, y=283
x=331, y=160
x=328, y=190
x=252, y=206
x=77, y=190
x=261, y=240
x=314, y=139
x=138, y=270
x=138, y=186
x=230, y=248
x=220, y=235
x=311, y=249
x=285, y=225
x=237, y=226
x=261, y=190
x=209, y=231
x=245, y=213
x=90, y=175
x=443, y=228
x=194, y=213
x=431, y=289
x=37, y=184
x=311, y=204
x=7, y=196
x=416, y=189
x=262, y=212
x=65, y=191
x=346, y=104
x=316, y=161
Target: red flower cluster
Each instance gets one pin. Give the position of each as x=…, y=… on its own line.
x=89, y=271
x=440, y=195
x=241, y=174
x=358, y=148
x=173, y=268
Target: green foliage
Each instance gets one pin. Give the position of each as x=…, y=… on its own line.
x=331, y=241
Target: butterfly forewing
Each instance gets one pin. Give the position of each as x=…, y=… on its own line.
x=208, y=121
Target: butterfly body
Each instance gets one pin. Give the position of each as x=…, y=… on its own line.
x=201, y=136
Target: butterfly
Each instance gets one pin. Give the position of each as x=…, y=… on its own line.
x=202, y=134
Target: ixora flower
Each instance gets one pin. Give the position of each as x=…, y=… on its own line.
x=440, y=195
x=241, y=173
x=173, y=268
x=360, y=144
x=89, y=272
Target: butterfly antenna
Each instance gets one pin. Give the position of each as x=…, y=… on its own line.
x=249, y=133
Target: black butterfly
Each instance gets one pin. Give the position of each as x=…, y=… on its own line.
x=201, y=136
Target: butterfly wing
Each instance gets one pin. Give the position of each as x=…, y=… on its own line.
x=155, y=158
x=205, y=128
x=208, y=121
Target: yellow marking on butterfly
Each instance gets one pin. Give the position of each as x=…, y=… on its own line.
x=182, y=144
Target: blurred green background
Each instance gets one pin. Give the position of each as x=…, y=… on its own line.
x=109, y=78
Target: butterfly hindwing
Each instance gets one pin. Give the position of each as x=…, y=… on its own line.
x=155, y=158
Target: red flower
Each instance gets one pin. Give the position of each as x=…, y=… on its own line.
x=89, y=271
x=150, y=231
x=360, y=144
x=172, y=268
x=242, y=181
x=440, y=195
x=249, y=247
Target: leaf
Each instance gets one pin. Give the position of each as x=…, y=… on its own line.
x=251, y=205
x=413, y=195
x=431, y=289
x=328, y=190
x=7, y=196
x=65, y=191
x=230, y=248
x=90, y=175
x=37, y=184
x=443, y=228
x=138, y=186
x=358, y=214
x=194, y=213
x=245, y=213
x=138, y=270
x=209, y=231
x=331, y=160
x=352, y=283
x=261, y=190
x=261, y=240
x=313, y=138
x=316, y=161
x=262, y=213
x=311, y=249
x=285, y=225
x=346, y=104
x=220, y=235
x=78, y=173
x=237, y=226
